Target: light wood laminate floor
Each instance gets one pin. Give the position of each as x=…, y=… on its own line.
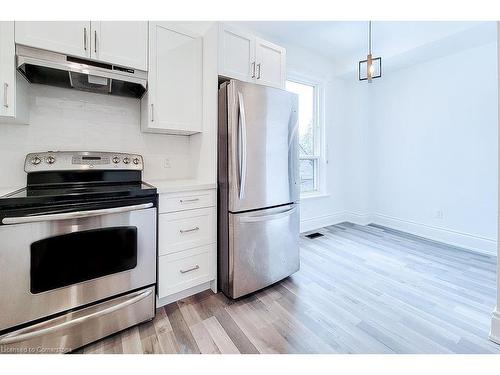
x=361, y=289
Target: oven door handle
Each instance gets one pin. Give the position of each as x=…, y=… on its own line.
x=74, y=215
x=18, y=336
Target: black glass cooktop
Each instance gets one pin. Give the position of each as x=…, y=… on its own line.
x=72, y=193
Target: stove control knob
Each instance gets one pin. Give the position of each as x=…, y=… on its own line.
x=136, y=161
x=50, y=159
x=36, y=160
x=126, y=160
x=116, y=159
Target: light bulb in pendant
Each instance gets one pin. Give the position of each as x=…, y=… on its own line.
x=371, y=70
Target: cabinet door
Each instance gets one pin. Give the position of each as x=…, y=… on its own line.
x=121, y=43
x=7, y=69
x=175, y=94
x=13, y=88
x=270, y=68
x=72, y=37
x=236, y=54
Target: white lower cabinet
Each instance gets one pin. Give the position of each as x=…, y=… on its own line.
x=187, y=250
x=185, y=269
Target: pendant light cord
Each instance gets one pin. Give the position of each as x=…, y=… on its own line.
x=370, y=37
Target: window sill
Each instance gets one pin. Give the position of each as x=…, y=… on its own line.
x=313, y=195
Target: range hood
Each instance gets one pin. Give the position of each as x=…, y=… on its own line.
x=55, y=69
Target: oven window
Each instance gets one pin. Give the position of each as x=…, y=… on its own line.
x=74, y=257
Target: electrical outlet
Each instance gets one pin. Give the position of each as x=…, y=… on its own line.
x=166, y=163
x=439, y=215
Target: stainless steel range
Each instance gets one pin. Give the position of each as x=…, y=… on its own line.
x=77, y=251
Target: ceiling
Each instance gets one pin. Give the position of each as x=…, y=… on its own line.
x=345, y=42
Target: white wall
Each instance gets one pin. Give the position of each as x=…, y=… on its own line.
x=433, y=148
x=63, y=119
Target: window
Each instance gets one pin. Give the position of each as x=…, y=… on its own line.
x=309, y=135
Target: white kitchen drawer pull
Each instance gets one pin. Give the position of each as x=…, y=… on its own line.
x=189, y=200
x=85, y=38
x=190, y=269
x=189, y=230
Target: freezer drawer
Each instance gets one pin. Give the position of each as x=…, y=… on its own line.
x=263, y=248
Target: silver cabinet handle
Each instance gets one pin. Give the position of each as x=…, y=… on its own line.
x=95, y=41
x=279, y=215
x=242, y=149
x=74, y=215
x=152, y=113
x=5, y=100
x=253, y=69
x=189, y=200
x=189, y=230
x=190, y=269
x=85, y=38
x=25, y=334
x=258, y=70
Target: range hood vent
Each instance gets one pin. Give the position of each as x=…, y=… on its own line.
x=55, y=69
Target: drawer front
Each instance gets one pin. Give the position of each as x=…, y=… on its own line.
x=186, y=229
x=188, y=200
x=184, y=270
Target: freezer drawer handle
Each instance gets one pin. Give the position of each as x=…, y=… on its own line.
x=189, y=200
x=242, y=149
x=74, y=215
x=279, y=215
x=190, y=269
x=5, y=88
x=189, y=230
x=20, y=336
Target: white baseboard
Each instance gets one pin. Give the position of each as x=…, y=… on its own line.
x=358, y=218
x=495, y=327
x=314, y=223
x=466, y=240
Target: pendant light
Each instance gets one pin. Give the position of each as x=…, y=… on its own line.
x=371, y=67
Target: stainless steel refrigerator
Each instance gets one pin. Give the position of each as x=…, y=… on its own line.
x=258, y=179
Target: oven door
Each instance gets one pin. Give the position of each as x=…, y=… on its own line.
x=54, y=262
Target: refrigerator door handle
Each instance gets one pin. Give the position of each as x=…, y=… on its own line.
x=279, y=215
x=242, y=147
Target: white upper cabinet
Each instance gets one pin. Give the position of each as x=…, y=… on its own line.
x=236, y=54
x=13, y=87
x=248, y=58
x=72, y=37
x=174, y=101
x=120, y=43
x=270, y=67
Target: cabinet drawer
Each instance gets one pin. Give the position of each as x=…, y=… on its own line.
x=186, y=229
x=188, y=200
x=183, y=270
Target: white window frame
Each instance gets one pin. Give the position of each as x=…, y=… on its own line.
x=318, y=130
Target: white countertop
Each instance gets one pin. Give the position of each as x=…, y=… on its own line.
x=176, y=186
